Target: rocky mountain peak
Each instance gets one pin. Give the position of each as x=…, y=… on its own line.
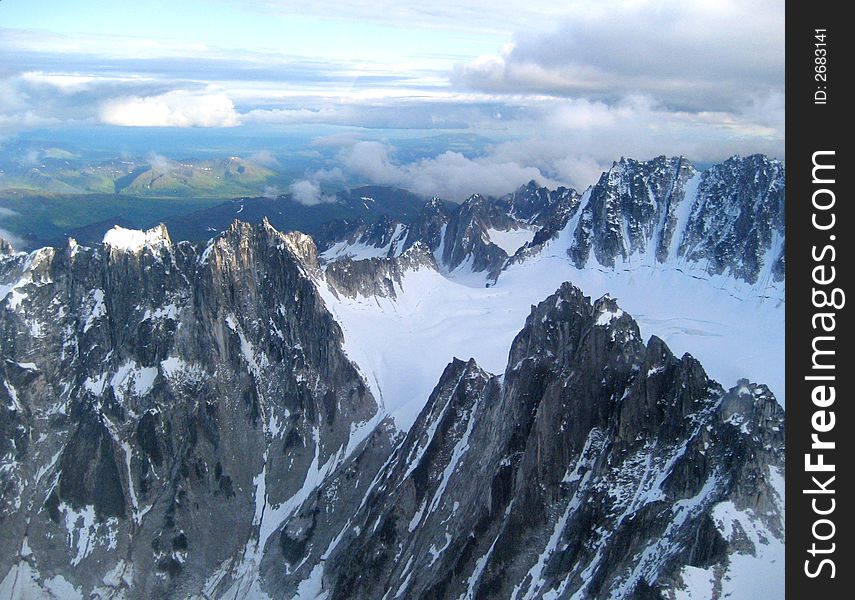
x=163, y=393
x=377, y=276
x=302, y=247
x=6, y=248
x=435, y=205
x=429, y=225
x=606, y=470
x=736, y=223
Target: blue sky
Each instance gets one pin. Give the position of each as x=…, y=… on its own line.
x=546, y=89
x=248, y=27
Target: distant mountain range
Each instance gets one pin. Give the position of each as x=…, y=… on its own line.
x=39, y=218
x=727, y=219
x=351, y=208
x=61, y=172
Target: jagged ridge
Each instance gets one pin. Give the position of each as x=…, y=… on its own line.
x=597, y=466
x=726, y=220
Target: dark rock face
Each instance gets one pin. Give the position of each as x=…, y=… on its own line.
x=376, y=276
x=726, y=220
x=5, y=248
x=385, y=234
x=632, y=208
x=159, y=405
x=736, y=225
x=538, y=205
x=593, y=466
x=429, y=226
x=466, y=236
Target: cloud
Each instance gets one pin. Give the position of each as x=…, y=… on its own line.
x=12, y=122
x=579, y=85
x=289, y=116
x=338, y=140
x=7, y=235
x=415, y=109
x=689, y=54
x=160, y=163
x=13, y=239
x=65, y=83
x=450, y=175
x=271, y=191
x=177, y=108
x=40, y=40
x=30, y=158
x=33, y=101
x=308, y=192
x=579, y=138
x=568, y=141
x=372, y=160
x=264, y=158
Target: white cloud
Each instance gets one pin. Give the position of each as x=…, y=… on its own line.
x=31, y=157
x=113, y=45
x=35, y=99
x=20, y=121
x=579, y=138
x=12, y=238
x=289, y=116
x=568, y=141
x=450, y=175
x=264, y=158
x=271, y=191
x=635, y=78
x=5, y=233
x=177, y=108
x=372, y=160
x=691, y=54
x=309, y=192
x=160, y=163
x=65, y=83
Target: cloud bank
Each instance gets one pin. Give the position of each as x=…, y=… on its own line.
x=308, y=192
x=689, y=55
x=559, y=92
x=576, y=141
x=5, y=233
x=173, y=109
x=450, y=175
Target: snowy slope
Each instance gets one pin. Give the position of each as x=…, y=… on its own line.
x=511, y=240
x=694, y=256
x=402, y=344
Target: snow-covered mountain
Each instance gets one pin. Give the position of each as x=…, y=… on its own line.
x=595, y=466
x=249, y=418
x=478, y=236
x=697, y=258
x=726, y=220
x=149, y=392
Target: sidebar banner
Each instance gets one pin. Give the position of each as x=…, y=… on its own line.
x=820, y=367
